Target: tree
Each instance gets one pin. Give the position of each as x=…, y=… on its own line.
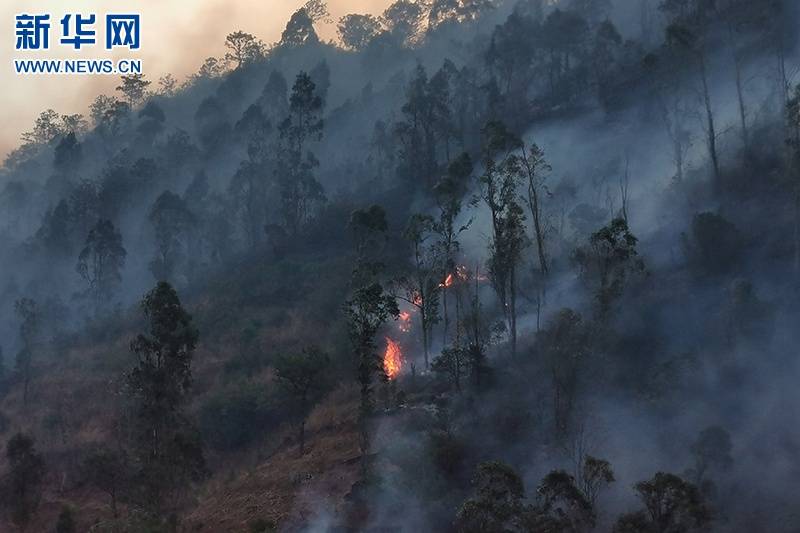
x=478, y=337
x=565, y=35
x=166, y=452
x=609, y=261
x=510, y=53
x=151, y=123
x=107, y=470
x=211, y=68
x=317, y=10
x=299, y=30
x=274, y=100
x=25, y=478
x=66, y=521
x=167, y=85
x=453, y=362
x=134, y=88
x=594, y=11
x=109, y=113
x=403, y=19
x=716, y=243
x=712, y=452
x=672, y=505
x=497, y=501
x=444, y=11
x=356, y=31
x=367, y=309
x=743, y=20
x=535, y=168
x=564, y=345
x=595, y=475
x=449, y=193
x=244, y=48
x=171, y=221
x=100, y=262
x=55, y=233
x=440, y=93
x=248, y=190
x=29, y=330
x=299, y=189
x=417, y=132
x=793, y=144
x=47, y=128
x=211, y=124
x=689, y=31
x=499, y=191
x=560, y=506
x=421, y=288
x=67, y=155
x=673, y=103
x=303, y=378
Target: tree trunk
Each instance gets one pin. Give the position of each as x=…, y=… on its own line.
x=446, y=320
x=711, y=130
x=533, y=203
x=425, y=334
x=513, y=311
x=740, y=97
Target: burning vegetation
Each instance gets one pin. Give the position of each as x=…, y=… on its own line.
x=392, y=359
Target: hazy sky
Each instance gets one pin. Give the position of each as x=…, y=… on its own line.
x=175, y=38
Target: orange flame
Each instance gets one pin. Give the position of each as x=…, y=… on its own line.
x=392, y=359
x=448, y=281
x=405, y=321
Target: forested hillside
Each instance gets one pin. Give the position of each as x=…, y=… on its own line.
x=475, y=266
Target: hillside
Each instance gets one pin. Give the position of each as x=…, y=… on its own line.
x=477, y=266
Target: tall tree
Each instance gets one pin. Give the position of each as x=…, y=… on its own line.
x=793, y=144
x=25, y=479
x=100, y=262
x=564, y=346
x=535, y=168
x=243, y=48
x=107, y=470
x=673, y=104
x=29, y=332
x=450, y=11
x=499, y=190
x=299, y=189
x=670, y=505
x=689, y=30
x=171, y=221
x=497, y=503
x=303, y=378
x=609, y=262
x=367, y=309
x=356, y=31
x=421, y=288
x=403, y=19
x=299, y=30
x=165, y=450
x=449, y=193
x=134, y=88
x=417, y=132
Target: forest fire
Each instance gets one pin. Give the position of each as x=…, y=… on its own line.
x=392, y=359
x=461, y=275
x=448, y=282
x=405, y=321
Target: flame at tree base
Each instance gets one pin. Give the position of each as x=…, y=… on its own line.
x=392, y=359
